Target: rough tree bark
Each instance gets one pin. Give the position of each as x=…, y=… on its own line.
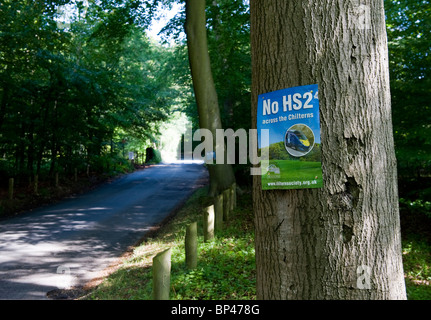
x=221, y=175
x=341, y=241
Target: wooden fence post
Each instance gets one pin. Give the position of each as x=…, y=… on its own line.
x=226, y=204
x=218, y=211
x=208, y=216
x=191, y=245
x=162, y=275
x=56, y=179
x=233, y=196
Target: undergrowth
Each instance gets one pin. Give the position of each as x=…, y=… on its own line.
x=226, y=265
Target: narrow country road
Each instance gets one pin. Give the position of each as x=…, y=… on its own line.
x=70, y=243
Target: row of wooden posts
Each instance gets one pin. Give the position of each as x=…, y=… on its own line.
x=213, y=218
x=36, y=182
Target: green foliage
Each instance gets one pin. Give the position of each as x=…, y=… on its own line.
x=228, y=28
x=229, y=48
x=409, y=35
x=220, y=261
x=78, y=95
x=417, y=207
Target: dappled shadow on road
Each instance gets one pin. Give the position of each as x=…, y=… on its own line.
x=64, y=249
x=22, y=290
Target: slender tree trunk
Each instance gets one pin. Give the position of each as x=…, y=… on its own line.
x=341, y=241
x=30, y=151
x=3, y=103
x=21, y=148
x=54, y=139
x=221, y=175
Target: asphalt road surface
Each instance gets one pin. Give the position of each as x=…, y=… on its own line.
x=70, y=243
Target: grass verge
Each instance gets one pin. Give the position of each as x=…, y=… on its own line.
x=417, y=268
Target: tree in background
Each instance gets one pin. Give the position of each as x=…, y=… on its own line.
x=221, y=175
x=228, y=41
x=341, y=241
x=229, y=48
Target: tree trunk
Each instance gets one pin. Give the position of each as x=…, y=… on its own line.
x=221, y=175
x=3, y=102
x=341, y=241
